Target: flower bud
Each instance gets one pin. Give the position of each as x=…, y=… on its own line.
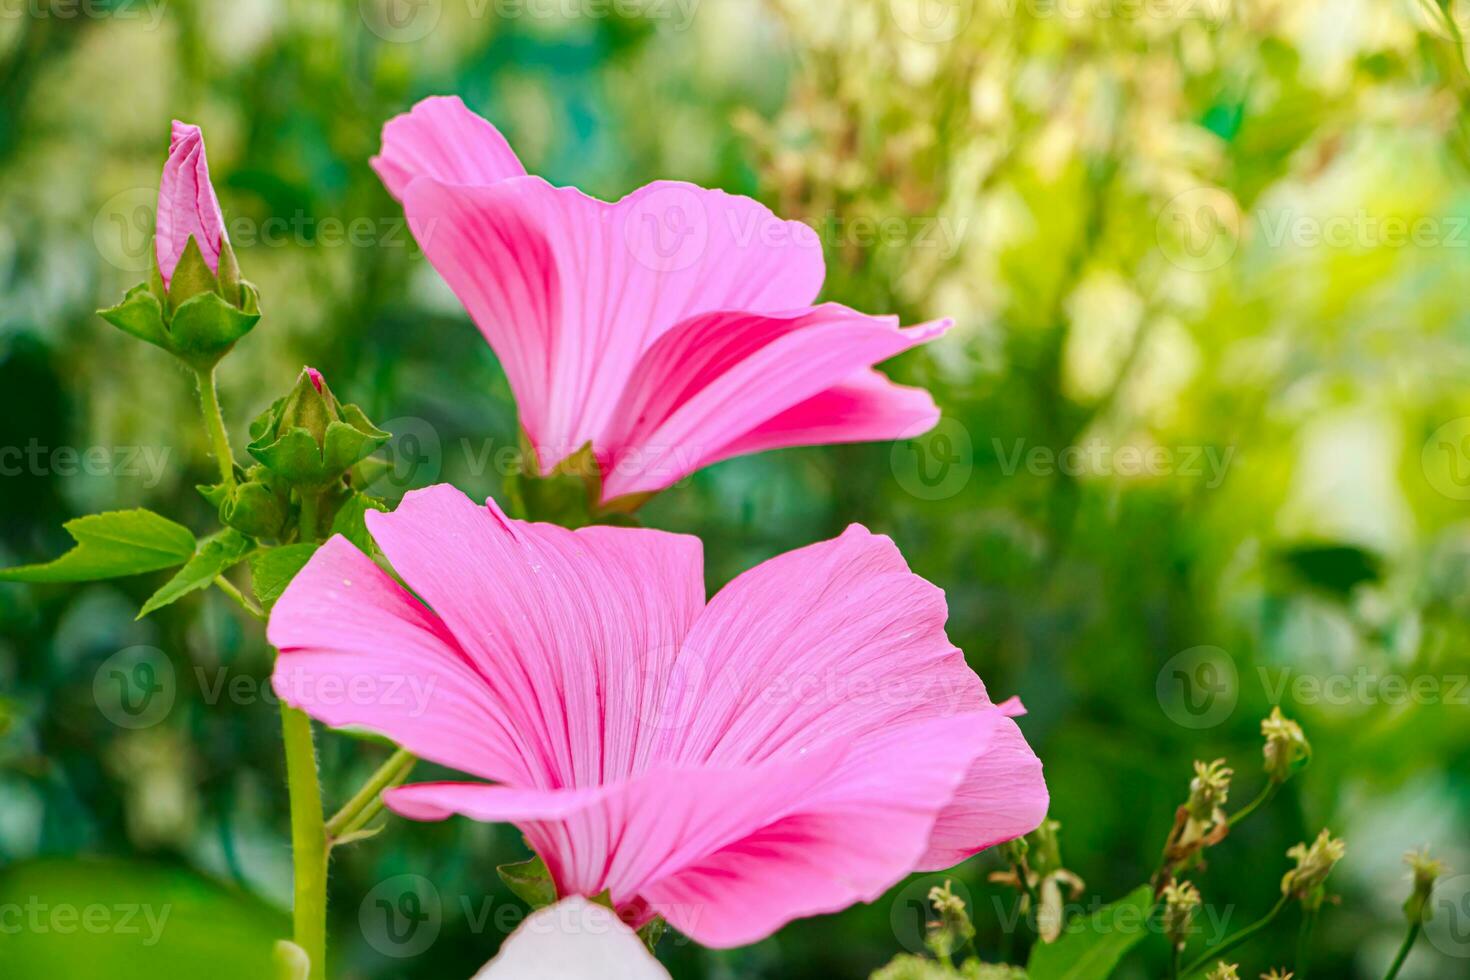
x=1313, y=864
x=1286, y=749
x=1275, y=974
x=953, y=928
x=257, y=507
x=188, y=209
x=308, y=438
x=1225, y=971
x=1209, y=789
x=1426, y=871
x=1181, y=899
x=195, y=305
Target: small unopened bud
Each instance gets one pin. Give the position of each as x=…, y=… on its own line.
x=1209, y=789
x=1426, y=871
x=1181, y=899
x=1276, y=974
x=953, y=928
x=1045, y=848
x=1014, y=850
x=1286, y=749
x=310, y=439
x=1313, y=865
x=1225, y=971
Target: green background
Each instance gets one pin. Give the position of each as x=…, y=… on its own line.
x=1206, y=437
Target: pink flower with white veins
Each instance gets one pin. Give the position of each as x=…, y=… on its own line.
x=187, y=205
x=669, y=330
x=796, y=744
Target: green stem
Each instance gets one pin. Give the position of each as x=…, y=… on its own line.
x=1231, y=942
x=1262, y=798
x=307, y=520
x=367, y=802
x=308, y=840
x=1304, y=944
x=214, y=424
x=1403, y=953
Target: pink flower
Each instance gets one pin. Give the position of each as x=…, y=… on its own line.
x=796, y=744
x=670, y=330
x=186, y=204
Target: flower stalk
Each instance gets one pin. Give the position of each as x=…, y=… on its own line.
x=309, y=850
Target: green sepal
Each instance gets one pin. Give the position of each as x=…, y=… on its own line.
x=567, y=495
x=217, y=554
x=230, y=282
x=192, y=277
x=205, y=328
x=530, y=881
x=111, y=545
x=652, y=931
x=140, y=314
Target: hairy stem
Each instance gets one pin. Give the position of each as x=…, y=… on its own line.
x=214, y=424
x=367, y=802
x=308, y=840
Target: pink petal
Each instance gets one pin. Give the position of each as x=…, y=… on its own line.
x=863, y=407
x=699, y=393
x=442, y=139
x=833, y=640
x=570, y=291
x=730, y=855
x=187, y=205
x=575, y=633
x=1002, y=797
x=357, y=650
x=851, y=840
x=573, y=940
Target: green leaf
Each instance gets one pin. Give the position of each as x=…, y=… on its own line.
x=351, y=522
x=1091, y=946
x=530, y=880
x=271, y=571
x=215, y=555
x=110, y=545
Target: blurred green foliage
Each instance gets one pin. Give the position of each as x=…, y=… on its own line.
x=1206, y=444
